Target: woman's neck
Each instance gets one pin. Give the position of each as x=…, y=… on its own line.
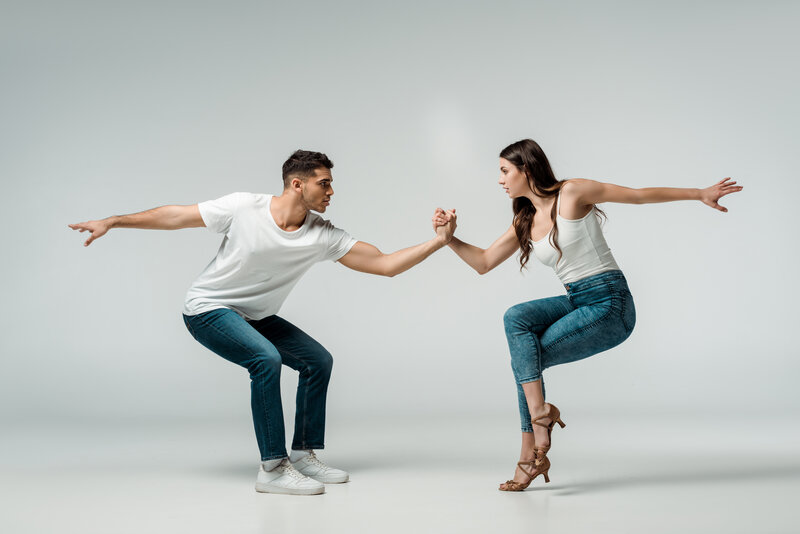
x=540, y=202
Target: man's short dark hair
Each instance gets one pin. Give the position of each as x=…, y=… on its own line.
x=303, y=163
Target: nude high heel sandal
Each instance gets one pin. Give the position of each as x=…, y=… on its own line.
x=554, y=414
x=540, y=465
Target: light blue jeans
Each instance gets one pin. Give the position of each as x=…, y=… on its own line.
x=596, y=314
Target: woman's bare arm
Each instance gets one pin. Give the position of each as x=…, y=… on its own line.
x=584, y=192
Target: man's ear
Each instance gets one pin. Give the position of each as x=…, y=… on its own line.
x=297, y=185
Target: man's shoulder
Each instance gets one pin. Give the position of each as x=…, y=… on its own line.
x=245, y=199
x=315, y=220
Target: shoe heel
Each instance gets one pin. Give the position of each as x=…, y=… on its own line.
x=561, y=423
x=546, y=477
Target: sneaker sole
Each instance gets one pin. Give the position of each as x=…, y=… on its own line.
x=331, y=480
x=262, y=487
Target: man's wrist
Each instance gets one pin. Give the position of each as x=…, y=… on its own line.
x=441, y=241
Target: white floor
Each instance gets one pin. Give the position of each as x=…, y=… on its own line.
x=436, y=475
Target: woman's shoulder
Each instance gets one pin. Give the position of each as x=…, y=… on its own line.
x=576, y=185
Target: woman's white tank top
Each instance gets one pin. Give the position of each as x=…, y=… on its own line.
x=585, y=251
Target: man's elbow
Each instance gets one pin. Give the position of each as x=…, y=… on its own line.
x=385, y=268
x=390, y=272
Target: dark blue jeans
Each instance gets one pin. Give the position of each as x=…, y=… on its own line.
x=262, y=347
x=596, y=314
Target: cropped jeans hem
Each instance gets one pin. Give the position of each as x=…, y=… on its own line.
x=308, y=447
x=274, y=457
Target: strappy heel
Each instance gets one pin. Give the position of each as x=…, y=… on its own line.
x=540, y=465
x=554, y=414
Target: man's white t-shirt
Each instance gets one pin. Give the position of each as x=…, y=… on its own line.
x=258, y=263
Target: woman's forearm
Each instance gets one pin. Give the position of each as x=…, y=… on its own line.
x=652, y=195
x=473, y=256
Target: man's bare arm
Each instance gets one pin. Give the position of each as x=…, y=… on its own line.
x=162, y=218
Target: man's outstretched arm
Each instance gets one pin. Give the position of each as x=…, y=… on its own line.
x=367, y=258
x=162, y=218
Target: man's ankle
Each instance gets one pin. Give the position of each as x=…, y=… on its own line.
x=269, y=465
x=299, y=454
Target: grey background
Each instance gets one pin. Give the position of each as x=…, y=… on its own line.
x=111, y=108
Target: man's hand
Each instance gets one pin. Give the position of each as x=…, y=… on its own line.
x=710, y=195
x=96, y=228
x=444, y=223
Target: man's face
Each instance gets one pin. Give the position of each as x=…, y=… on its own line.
x=317, y=190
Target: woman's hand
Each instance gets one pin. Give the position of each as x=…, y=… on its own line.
x=442, y=217
x=710, y=195
x=444, y=223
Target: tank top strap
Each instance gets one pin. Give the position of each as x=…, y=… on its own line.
x=558, y=203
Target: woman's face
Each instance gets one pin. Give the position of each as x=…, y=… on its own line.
x=512, y=179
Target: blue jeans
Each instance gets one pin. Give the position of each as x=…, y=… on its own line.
x=261, y=347
x=597, y=313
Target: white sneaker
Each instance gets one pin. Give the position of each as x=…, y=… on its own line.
x=287, y=480
x=313, y=467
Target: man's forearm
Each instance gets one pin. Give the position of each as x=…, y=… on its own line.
x=161, y=218
x=402, y=260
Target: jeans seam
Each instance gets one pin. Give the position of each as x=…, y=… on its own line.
x=582, y=329
x=292, y=355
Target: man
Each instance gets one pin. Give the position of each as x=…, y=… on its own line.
x=270, y=242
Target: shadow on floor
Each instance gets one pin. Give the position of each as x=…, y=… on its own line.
x=691, y=476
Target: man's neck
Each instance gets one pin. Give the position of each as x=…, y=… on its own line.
x=288, y=211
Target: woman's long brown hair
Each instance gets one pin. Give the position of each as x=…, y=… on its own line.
x=529, y=158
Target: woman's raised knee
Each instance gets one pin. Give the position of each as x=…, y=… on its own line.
x=513, y=317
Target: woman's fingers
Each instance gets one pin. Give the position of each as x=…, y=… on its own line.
x=729, y=190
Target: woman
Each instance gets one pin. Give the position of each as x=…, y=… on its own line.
x=559, y=222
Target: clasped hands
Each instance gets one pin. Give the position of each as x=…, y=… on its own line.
x=444, y=224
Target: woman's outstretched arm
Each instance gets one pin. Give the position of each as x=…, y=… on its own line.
x=482, y=260
x=587, y=192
